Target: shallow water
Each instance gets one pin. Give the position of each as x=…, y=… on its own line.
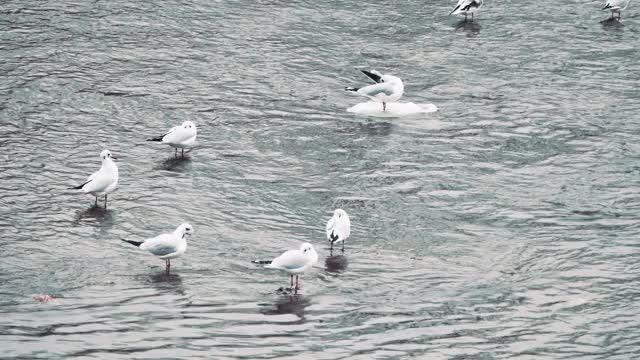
x=504, y=225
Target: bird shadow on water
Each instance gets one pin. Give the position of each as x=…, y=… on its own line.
x=175, y=164
x=104, y=217
x=287, y=304
x=336, y=263
x=472, y=28
x=165, y=281
x=612, y=24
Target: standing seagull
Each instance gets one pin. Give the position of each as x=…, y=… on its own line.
x=103, y=181
x=466, y=7
x=338, y=228
x=179, y=137
x=295, y=262
x=615, y=6
x=387, y=88
x=166, y=246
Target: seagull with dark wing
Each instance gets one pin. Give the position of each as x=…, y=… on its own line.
x=466, y=7
x=387, y=88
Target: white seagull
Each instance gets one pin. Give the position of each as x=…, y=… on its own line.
x=295, y=261
x=616, y=6
x=387, y=88
x=338, y=227
x=179, y=137
x=466, y=7
x=167, y=246
x=103, y=181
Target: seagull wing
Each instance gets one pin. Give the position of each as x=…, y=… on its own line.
x=331, y=224
x=373, y=75
x=99, y=181
x=161, y=245
x=372, y=91
x=179, y=135
x=289, y=260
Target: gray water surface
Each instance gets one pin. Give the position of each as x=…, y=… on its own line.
x=505, y=225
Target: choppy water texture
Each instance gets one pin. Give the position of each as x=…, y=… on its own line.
x=505, y=225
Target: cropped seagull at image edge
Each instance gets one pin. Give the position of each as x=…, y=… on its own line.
x=179, y=137
x=466, y=7
x=616, y=6
x=387, y=88
x=103, y=181
x=166, y=246
x=338, y=228
x=295, y=262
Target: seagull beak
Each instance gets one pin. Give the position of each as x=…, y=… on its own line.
x=114, y=158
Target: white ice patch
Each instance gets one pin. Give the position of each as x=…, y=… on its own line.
x=393, y=109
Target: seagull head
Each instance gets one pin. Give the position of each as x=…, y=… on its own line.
x=188, y=125
x=106, y=154
x=340, y=214
x=185, y=229
x=308, y=250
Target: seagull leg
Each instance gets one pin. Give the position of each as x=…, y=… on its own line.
x=182, y=152
x=168, y=266
x=384, y=106
x=105, y=201
x=343, y=246
x=96, y=204
x=176, y=153
x=297, y=286
x=465, y=18
x=471, y=17
x=292, y=281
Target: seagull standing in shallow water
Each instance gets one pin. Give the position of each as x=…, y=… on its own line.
x=466, y=7
x=387, y=88
x=167, y=246
x=295, y=262
x=179, y=137
x=103, y=181
x=615, y=6
x=338, y=228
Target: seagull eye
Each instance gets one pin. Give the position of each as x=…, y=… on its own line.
x=381, y=81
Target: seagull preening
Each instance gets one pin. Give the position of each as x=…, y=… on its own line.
x=166, y=246
x=295, y=262
x=466, y=7
x=615, y=6
x=387, y=88
x=338, y=228
x=179, y=137
x=103, y=181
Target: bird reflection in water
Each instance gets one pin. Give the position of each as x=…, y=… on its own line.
x=165, y=281
x=336, y=263
x=466, y=26
x=176, y=164
x=288, y=304
x=612, y=23
x=100, y=214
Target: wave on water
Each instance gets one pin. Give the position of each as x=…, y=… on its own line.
x=373, y=108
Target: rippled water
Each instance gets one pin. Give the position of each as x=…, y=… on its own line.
x=505, y=225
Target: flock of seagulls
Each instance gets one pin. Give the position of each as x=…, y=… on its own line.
x=386, y=89
x=469, y=7
x=173, y=245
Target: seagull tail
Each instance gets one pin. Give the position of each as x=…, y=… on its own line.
x=79, y=186
x=157, y=138
x=135, y=243
x=348, y=88
x=261, y=262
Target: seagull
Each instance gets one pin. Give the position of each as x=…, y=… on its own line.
x=466, y=7
x=387, y=88
x=615, y=6
x=295, y=262
x=103, y=181
x=166, y=246
x=338, y=227
x=179, y=137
